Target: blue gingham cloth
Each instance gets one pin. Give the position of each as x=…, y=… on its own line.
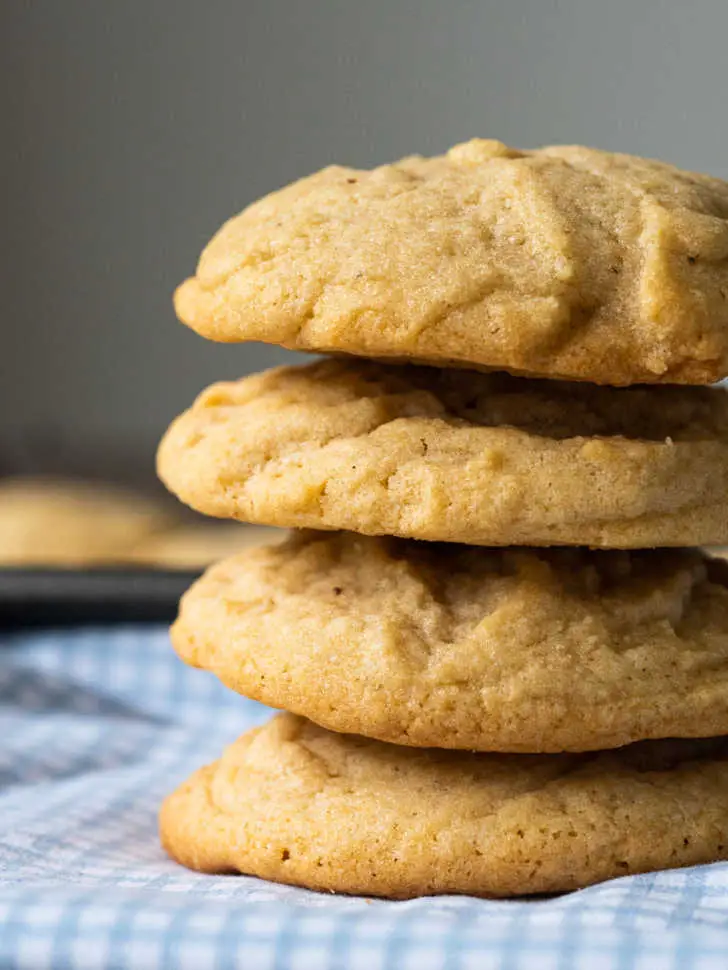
x=97, y=726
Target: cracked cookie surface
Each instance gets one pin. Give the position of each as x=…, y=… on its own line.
x=460, y=647
x=297, y=804
x=562, y=262
x=456, y=456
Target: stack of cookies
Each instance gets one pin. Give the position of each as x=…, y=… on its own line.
x=535, y=698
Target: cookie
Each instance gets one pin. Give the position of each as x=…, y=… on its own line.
x=718, y=552
x=562, y=262
x=297, y=804
x=459, y=647
x=55, y=522
x=458, y=456
x=195, y=546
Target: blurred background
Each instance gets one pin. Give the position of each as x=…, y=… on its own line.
x=132, y=129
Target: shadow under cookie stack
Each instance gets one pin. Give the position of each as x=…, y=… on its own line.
x=504, y=657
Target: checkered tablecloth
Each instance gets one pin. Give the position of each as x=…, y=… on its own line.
x=97, y=726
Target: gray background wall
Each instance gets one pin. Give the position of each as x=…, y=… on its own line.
x=132, y=128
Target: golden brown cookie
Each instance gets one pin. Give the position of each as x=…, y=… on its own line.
x=458, y=647
x=562, y=262
x=297, y=804
x=54, y=522
x=458, y=456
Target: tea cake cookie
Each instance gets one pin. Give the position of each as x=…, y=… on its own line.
x=64, y=522
x=457, y=456
x=561, y=262
x=460, y=647
x=297, y=804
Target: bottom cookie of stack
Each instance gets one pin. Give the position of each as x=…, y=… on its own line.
x=298, y=804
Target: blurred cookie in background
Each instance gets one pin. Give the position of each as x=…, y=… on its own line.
x=717, y=552
x=71, y=523
x=195, y=546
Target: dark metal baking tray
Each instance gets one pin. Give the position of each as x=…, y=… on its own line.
x=71, y=597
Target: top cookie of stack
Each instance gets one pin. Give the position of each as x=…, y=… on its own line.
x=563, y=262
x=557, y=263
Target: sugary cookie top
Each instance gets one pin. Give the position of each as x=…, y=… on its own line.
x=560, y=262
x=374, y=394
